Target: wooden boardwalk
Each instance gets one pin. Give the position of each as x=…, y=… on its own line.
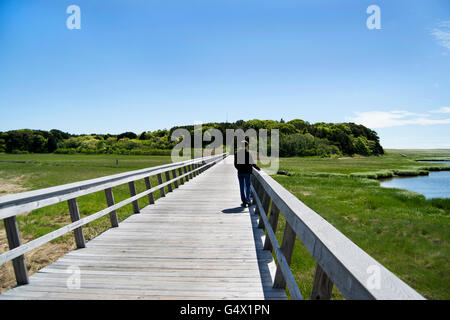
x=195, y=243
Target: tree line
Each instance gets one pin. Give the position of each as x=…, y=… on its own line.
x=297, y=138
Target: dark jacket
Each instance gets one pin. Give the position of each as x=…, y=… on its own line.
x=245, y=167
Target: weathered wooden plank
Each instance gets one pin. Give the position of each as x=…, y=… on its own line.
x=322, y=286
x=75, y=216
x=273, y=220
x=160, y=181
x=174, y=175
x=132, y=187
x=94, y=293
x=148, y=279
x=180, y=173
x=148, y=186
x=185, y=170
x=110, y=202
x=287, y=247
x=13, y=235
x=169, y=186
x=266, y=204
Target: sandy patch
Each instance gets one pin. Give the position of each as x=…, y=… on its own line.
x=35, y=259
x=12, y=185
x=304, y=193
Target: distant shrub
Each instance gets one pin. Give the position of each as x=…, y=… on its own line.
x=324, y=175
x=366, y=175
x=312, y=174
x=436, y=168
x=410, y=172
x=66, y=151
x=284, y=173
x=384, y=174
x=20, y=152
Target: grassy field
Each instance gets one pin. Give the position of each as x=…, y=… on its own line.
x=403, y=231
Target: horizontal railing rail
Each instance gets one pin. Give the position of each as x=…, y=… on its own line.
x=339, y=261
x=12, y=205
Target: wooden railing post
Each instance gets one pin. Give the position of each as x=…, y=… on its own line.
x=262, y=196
x=190, y=167
x=185, y=169
x=180, y=173
x=13, y=235
x=257, y=187
x=75, y=216
x=110, y=202
x=174, y=175
x=254, y=183
x=322, y=287
x=148, y=185
x=169, y=186
x=287, y=247
x=195, y=167
x=132, y=187
x=190, y=173
x=265, y=204
x=160, y=181
x=273, y=220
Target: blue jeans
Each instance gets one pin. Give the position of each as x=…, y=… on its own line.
x=244, y=185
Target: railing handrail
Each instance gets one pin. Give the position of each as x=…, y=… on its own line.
x=349, y=267
x=13, y=204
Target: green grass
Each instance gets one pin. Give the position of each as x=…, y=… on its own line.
x=403, y=231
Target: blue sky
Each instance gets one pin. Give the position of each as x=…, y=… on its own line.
x=140, y=65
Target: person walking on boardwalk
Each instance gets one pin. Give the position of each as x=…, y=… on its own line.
x=244, y=163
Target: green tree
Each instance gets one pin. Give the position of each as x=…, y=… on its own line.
x=38, y=144
x=361, y=146
x=129, y=135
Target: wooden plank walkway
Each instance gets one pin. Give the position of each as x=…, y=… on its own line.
x=195, y=243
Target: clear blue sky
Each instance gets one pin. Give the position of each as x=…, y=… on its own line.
x=140, y=65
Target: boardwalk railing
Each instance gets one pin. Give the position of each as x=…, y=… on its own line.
x=12, y=205
x=338, y=260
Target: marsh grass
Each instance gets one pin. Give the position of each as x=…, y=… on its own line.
x=402, y=230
